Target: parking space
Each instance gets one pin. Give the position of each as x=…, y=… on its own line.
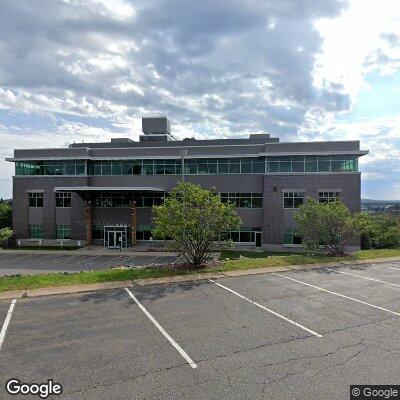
x=311, y=333
x=30, y=263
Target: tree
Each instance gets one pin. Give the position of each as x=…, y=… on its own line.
x=330, y=225
x=5, y=233
x=5, y=215
x=195, y=219
x=380, y=230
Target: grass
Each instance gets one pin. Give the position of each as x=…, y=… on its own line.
x=230, y=260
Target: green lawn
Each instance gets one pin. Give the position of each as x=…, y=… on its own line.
x=230, y=260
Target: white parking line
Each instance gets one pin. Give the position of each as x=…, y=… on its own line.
x=267, y=309
x=161, y=329
x=6, y=322
x=385, y=266
x=339, y=294
x=363, y=277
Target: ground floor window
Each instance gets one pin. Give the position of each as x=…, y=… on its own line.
x=98, y=232
x=242, y=235
x=291, y=236
x=36, y=231
x=63, y=232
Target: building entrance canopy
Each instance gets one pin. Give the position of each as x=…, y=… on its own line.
x=114, y=237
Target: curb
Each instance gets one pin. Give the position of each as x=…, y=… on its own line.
x=92, y=287
x=56, y=290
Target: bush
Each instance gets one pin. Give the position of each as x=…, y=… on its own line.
x=330, y=225
x=5, y=234
x=380, y=231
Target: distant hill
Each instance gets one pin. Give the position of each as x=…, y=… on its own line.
x=383, y=202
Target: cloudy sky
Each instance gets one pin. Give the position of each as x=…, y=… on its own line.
x=87, y=70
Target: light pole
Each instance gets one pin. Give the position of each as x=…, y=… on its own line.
x=183, y=153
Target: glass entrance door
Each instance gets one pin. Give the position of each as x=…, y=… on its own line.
x=114, y=239
x=117, y=236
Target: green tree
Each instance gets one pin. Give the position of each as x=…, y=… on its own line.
x=195, y=219
x=330, y=225
x=5, y=233
x=380, y=230
x=5, y=215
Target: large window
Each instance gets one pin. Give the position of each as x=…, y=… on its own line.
x=292, y=199
x=198, y=166
x=63, y=200
x=111, y=200
x=333, y=163
x=65, y=167
x=326, y=197
x=242, y=235
x=36, y=231
x=243, y=200
x=123, y=199
x=291, y=236
x=150, y=200
x=63, y=231
x=35, y=199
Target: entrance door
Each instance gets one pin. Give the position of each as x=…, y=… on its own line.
x=114, y=239
x=258, y=238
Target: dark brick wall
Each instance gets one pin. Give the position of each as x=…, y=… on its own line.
x=276, y=218
x=21, y=187
x=273, y=218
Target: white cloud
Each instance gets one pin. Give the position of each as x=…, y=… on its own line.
x=217, y=68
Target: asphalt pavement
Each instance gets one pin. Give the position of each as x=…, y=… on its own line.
x=39, y=263
x=299, y=334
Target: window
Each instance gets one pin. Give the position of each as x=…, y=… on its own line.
x=193, y=166
x=98, y=232
x=63, y=200
x=292, y=199
x=111, y=199
x=150, y=200
x=326, y=197
x=346, y=163
x=63, y=232
x=291, y=236
x=243, y=200
x=36, y=231
x=47, y=167
x=242, y=235
x=35, y=199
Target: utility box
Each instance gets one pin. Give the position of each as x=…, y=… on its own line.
x=156, y=125
x=156, y=129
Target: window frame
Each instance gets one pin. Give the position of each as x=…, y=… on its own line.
x=63, y=199
x=294, y=235
x=35, y=199
x=286, y=196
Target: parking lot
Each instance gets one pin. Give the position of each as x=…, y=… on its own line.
x=31, y=263
x=301, y=334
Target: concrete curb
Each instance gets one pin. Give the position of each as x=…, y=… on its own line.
x=57, y=290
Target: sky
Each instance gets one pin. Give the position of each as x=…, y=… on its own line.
x=301, y=70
